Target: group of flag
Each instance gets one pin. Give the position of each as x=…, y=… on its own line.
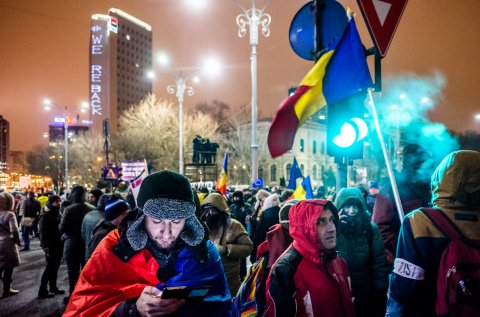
x=339, y=73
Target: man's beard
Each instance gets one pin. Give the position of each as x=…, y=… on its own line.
x=214, y=221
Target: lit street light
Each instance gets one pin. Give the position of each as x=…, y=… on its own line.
x=179, y=89
x=254, y=18
x=48, y=106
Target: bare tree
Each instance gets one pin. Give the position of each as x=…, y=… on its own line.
x=86, y=158
x=149, y=130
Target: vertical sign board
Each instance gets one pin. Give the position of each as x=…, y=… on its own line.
x=99, y=85
x=382, y=17
x=131, y=170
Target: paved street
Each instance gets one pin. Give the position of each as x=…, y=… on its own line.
x=26, y=278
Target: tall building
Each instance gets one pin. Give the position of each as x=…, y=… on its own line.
x=120, y=58
x=4, y=143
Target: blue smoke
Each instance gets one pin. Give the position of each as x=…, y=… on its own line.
x=404, y=106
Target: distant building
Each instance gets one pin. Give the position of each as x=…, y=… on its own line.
x=4, y=143
x=120, y=58
x=56, y=133
x=18, y=162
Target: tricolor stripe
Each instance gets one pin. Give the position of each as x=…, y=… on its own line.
x=341, y=72
x=222, y=180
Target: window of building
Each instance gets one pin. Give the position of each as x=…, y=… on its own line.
x=288, y=169
x=273, y=173
x=302, y=145
x=314, y=171
x=323, y=148
x=314, y=146
x=302, y=168
x=260, y=172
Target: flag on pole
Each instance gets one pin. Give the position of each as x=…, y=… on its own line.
x=295, y=173
x=222, y=180
x=304, y=191
x=258, y=183
x=341, y=72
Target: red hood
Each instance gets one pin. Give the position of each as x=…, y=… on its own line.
x=303, y=219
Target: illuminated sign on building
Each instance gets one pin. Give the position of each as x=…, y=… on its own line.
x=113, y=25
x=99, y=67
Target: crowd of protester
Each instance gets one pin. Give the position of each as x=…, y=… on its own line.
x=251, y=251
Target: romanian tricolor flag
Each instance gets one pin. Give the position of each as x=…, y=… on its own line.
x=222, y=180
x=304, y=191
x=341, y=72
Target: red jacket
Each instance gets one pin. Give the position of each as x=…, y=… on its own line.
x=275, y=244
x=301, y=282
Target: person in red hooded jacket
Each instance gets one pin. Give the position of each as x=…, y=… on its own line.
x=310, y=279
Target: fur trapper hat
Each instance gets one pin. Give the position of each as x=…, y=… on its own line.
x=166, y=195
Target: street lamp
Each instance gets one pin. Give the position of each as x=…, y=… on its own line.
x=254, y=18
x=179, y=89
x=48, y=106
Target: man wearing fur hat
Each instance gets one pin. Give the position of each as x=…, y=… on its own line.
x=228, y=235
x=166, y=246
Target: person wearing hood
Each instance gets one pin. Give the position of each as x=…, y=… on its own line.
x=267, y=217
x=455, y=186
x=228, y=235
x=51, y=243
x=309, y=278
x=360, y=244
x=166, y=246
x=9, y=240
x=413, y=188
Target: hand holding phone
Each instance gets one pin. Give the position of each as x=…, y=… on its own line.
x=182, y=292
x=150, y=302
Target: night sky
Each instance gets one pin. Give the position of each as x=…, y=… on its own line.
x=44, y=54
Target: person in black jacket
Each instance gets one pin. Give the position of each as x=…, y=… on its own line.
x=268, y=217
x=70, y=227
x=116, y=210
x=51, y=243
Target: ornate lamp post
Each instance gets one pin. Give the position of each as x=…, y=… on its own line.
x=179, y=89
x=253, y=18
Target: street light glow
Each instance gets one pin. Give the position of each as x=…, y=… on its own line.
x=163, y=59
x=212, y=66
x=403, y=96
x=196, y=4
x=477, y=116
x=394, y=107
x=425, y=100
x=151, y=74
x=196, y=79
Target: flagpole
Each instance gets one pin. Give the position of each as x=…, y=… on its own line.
x=393, y=182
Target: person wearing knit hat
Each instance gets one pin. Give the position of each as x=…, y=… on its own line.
x=228, y=235
x=268, y=217
x=115, y=215
x=166, y=246
x=9, y=239
x=52, y=245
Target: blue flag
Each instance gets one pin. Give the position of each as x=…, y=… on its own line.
x=307, y=185
x=258, y=183
x=295, y=173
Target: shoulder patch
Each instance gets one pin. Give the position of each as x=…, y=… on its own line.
x=422, y=226
x=408, y=270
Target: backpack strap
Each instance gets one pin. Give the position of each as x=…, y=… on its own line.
x=443, y=223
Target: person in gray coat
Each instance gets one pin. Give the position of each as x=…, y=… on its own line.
x=9, y=239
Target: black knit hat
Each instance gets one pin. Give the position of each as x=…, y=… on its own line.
x=114, y=208
x=166, y=195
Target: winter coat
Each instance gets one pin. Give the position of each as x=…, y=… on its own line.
x=304, y=281
x=277, y=241
x=239, y=211
x=99, y=232
x=103, y=289
x=413, y=194
x=89, y=222
x=50, y=236
x=456, y=192
x=268, y=218
x=71, y=223
x=360, y=244
x=9, y=238
x=234, y=237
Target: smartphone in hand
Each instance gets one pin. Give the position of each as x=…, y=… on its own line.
x=182, y=292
